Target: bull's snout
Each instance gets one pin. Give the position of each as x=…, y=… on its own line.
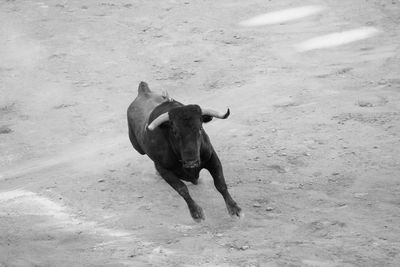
x=191, y=164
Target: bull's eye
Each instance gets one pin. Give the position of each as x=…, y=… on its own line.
x=174, y=131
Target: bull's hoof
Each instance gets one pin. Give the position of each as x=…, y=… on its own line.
x=234, y=210
x=197, y=213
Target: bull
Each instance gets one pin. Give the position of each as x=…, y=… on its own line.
x=171, y=135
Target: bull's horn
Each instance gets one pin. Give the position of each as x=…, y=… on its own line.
x=215, y=114
x=158, y=121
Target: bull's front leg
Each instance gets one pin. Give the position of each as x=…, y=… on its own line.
x=195, y=210
x=215, y=168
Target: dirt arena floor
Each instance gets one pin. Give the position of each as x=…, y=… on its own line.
x=310, y=151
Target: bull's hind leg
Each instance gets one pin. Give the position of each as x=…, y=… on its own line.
x=215, y=168
x=195, y=210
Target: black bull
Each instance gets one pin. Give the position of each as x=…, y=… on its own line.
x=171, y=134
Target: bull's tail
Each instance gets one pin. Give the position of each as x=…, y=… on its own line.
x=143, y=88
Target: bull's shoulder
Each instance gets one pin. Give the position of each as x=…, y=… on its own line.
x=145, y=102
x=163, y=107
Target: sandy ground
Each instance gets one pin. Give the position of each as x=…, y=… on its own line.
x=310, y=151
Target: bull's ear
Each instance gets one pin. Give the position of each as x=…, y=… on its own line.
x=206, y=118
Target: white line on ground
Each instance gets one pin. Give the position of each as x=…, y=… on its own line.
x=336, y=39
x=282, y=16
x=29, y=203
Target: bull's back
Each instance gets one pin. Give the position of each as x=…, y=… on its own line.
x=139, y=112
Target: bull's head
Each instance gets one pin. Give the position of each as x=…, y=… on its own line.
x=185, y=126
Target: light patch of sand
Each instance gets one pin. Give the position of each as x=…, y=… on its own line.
x=23, y=202
x=336, y=39
x=281, y=16
x=79, y=154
